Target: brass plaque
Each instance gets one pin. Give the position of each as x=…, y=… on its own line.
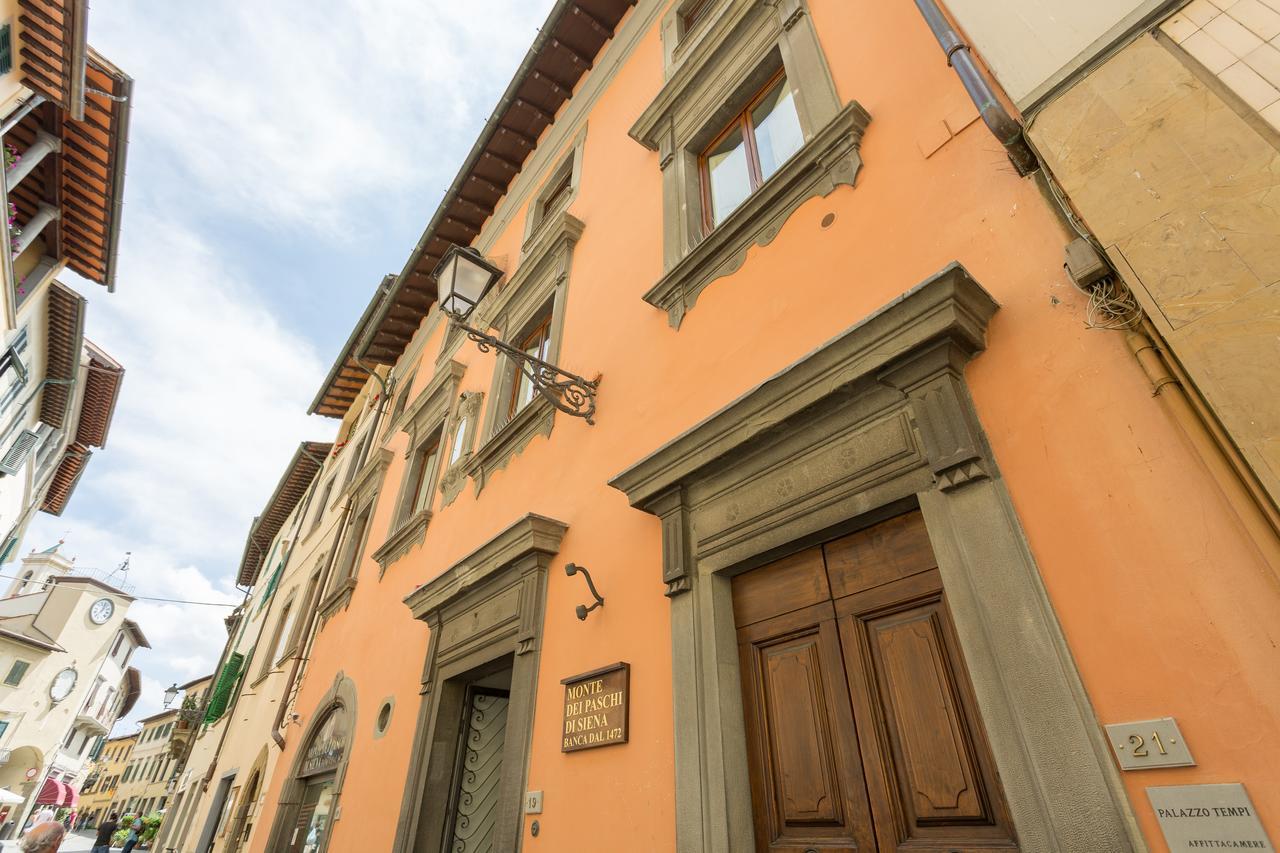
x=1149, y=743
x=595, y=708
x=1208, y=817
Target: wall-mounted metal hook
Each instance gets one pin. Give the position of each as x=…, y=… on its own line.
x=582, y=610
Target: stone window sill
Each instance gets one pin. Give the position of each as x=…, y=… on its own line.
x=829, y=159
x=340, y=597
x=411, y=532
x=537, y=418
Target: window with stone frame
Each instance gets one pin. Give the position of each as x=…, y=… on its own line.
x=357, y=533
x=527, y=313
x=321, y=505
x=748, y=126
x=362, y=495
x=422, y=470
x=282, y=636
x=749, y=150
x=426, y=420
x=557, y=193
x=461, y=439
x=535, y=341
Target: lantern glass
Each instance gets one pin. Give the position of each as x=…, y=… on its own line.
x=462, y=279
x=170, y=695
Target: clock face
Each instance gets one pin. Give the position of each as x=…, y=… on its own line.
x=101, y=610
x=63, y=683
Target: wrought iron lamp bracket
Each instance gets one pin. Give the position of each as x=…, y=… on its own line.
x=582, y=610
x=570, y=393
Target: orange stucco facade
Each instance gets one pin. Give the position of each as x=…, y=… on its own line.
x=1166, y=607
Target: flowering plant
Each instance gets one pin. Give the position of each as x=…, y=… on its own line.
x=11, y=156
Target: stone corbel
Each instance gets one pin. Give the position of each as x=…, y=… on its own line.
x=672, y=509
x=933, y=382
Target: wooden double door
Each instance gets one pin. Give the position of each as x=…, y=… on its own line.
x=862, y=730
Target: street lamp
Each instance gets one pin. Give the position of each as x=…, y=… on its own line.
x=463, y=277
x=171, y=694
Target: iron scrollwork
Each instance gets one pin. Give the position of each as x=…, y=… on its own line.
x=570, y=393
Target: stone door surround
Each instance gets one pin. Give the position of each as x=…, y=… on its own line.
x=485, y=613
x=875, y=421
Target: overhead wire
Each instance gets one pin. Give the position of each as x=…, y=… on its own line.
x=155, y=598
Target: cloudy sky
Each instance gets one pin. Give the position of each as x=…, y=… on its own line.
x=284, y=155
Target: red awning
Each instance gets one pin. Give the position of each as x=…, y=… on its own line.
x=55, y=793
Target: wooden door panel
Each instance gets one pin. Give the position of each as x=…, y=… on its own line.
x=886, y=552
x=929, y=769
x=804, y=762
x=789, y=584
x=806, y=776
x=936, y=769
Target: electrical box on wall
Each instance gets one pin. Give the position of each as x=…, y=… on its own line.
x=1085, y=264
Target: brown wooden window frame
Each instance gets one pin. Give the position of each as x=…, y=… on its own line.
x=426, y=459
x=541, y=333
x=693, y=15
x=741, y=122
x=557, y=196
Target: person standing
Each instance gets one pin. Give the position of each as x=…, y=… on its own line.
x=45, y=815
x=102, y=842
x=135, y=832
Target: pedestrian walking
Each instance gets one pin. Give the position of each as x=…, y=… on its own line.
x=135, y=831
x=45, y=815
x=102, y=842
x=45, y=837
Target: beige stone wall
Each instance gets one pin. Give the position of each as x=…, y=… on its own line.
x=1182, y=185
x=1238, y=41
x=1031, y=45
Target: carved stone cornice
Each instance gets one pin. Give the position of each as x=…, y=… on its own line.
x=433, y=401
x=408, y=534
x=828, y=160
x=948, y=307
x=467, y=419
x=531, y=535
x=369, y=477
x=534, y=419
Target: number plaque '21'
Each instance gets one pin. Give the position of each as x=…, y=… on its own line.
x=1149, y=743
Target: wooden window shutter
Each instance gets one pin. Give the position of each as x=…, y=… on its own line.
x=6, y=49
x=226, y=684
x=19, y=451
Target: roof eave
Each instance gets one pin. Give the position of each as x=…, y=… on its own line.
x=356, y=339
x=117, y=182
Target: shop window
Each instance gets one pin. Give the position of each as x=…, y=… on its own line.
x=310, y=795
x=744, y=137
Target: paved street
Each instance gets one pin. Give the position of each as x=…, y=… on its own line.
x=77, y=842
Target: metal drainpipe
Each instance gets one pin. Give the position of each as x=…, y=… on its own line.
x=1168, y=387
x=1003, y=126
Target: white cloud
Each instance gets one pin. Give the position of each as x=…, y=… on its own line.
x=294, y=112
x=312, y=119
